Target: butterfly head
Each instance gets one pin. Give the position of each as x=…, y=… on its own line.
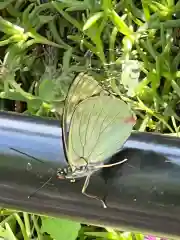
x=63, y=172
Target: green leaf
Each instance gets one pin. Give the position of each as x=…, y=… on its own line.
x=126, y=236
x=120, y=24
x=34, y=103
x=60, y=229
x=10, y=234
x=40, y=39
x=106, y=4
x=10, y=28
x=139, y=236
x=25, y=15
x=70, y=19
x=66, y=60
x=94, y=34
x=75, y=5
x=56, y=34
x=93, y=19
x=5, y=3
x=45, y=19
x=175, y=87
x=6, y=41
x=76, y=8
x=46, y=90
x=150, y=48
x=3, y=232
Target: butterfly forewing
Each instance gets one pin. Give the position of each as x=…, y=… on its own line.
x=83, y=86
x=99, y=127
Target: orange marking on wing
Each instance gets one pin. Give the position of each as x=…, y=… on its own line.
x=130, y=120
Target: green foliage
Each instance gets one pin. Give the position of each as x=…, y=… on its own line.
x=26, y=226
x=44, y=46
x=65, y=31
x=60, y=228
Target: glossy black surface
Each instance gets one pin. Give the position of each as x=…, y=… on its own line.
x=141, y=194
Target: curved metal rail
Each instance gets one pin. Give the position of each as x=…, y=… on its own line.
x=143, y=194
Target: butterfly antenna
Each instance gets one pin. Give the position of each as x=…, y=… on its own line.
x=86, y=183
x=111, y=165
x=37, y=190
x=26, y=155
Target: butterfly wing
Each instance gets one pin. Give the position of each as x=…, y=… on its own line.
x=83, y=86
x=99, y=127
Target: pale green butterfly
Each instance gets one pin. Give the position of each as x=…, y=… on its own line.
x=95, y=127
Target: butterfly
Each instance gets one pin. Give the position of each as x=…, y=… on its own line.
x=95, y=125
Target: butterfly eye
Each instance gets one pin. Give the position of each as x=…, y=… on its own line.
x=61, y=173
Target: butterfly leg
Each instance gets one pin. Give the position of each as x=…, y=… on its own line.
x=113, y=164
x=86, y=183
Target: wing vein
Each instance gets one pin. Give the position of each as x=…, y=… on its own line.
x=101, y=132
x=72, y=144
x=79, y=131
x=96, y=122
x=115, y=151
x=87, y=130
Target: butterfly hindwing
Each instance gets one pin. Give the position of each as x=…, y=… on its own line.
x=99, y=128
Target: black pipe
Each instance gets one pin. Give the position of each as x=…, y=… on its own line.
x=143, y=194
